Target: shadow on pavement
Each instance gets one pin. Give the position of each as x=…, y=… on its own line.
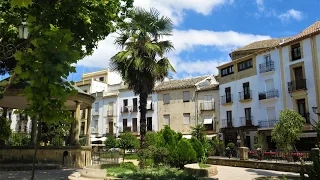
x=262, y=172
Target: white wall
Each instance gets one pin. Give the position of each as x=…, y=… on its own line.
x=309, y=72
x=15, y=122
x=114, y=78
x=130, y=95
x=97, y=86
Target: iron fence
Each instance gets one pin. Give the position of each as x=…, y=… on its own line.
x=104, y=156
x=279, y=156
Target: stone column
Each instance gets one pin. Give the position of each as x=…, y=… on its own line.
x=77, y=124
x=71, y=134
x=88, y=141
x=243, y=153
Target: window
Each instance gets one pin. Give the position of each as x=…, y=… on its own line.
x=228, y=94
x=166, y=99
x=149, y=103
x=247, y=112
x=125, y=125
x=135, y=104
x=246, y=90
x=96, y=107
x=267, y=59
x=134, y=124
x=149, y=123
x=85, y=91
x=101, y=78
x=271, y=111
x=245, y=65
x=295, y=52
x=229, y=115
x=226, y=71
x=125, y=102
x=186, y=96
x=186, y=118
x=166, y=120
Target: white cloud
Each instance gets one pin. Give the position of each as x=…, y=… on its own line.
x=291, y=14
x=260, y=5
x=175, y=8
x=183, y=40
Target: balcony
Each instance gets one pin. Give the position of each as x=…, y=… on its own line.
x=268, y=123
x=135, y=108
x=297, y=85
x=245, y=95
x=227, y=123
x=124, y=109
x=271, y=94
x=226, y=99
x=266, y=67
x=207, y=106
x=150, y=107
x=246, y=121
x=110, y=113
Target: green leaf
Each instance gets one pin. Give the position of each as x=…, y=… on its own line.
x=21, y=3
x=18, y=70
x=18, y=55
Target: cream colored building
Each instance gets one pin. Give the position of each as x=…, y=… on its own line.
x=181, y=103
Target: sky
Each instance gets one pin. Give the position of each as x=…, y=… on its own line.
x=206, y=31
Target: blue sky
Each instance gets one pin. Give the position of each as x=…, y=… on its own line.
x=207, y=30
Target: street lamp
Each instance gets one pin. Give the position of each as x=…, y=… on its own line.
x=8, y=50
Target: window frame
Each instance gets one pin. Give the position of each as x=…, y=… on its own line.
x=164, y=99
x=184, y=116
x=244, y=65
x=186, y=98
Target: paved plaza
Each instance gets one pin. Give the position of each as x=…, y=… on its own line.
x=224, y=173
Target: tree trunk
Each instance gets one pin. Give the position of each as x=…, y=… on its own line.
x=33, y=130
x=36, y=148
x=143, y=127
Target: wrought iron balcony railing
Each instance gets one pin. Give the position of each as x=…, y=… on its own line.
x=296, y=85
x=207, y=106
x=268, y=123
x=227, y=123
x=246, y=121
x=269, y=94
x=227, y=99
x=244, y=95
x=266, y=67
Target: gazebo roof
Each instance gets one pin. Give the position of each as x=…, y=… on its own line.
x=14, y=96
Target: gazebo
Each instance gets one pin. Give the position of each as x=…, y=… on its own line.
x=74, y=155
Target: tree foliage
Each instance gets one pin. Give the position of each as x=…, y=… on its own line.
x=198, y=132
x=288, y=129
x=143, y=60
x=60, y=34
x=128, y=142
x=5, y=130
x=111, y=142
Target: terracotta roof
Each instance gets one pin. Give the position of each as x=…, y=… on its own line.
x=209, y=87
x=262, y=44
x=313, y=28
x=179, y=84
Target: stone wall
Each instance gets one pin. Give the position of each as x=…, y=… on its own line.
x=76, y=157
x=287, y=167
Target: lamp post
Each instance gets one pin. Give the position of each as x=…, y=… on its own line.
x=314, y=109
x=7, y=50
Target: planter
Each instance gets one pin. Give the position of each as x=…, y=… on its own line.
x=200, y=172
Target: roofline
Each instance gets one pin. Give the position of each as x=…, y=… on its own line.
x=301, y=38
x=168, y=89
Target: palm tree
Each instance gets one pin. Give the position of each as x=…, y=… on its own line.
x=142, y=60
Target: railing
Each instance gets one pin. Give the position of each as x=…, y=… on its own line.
x=269, y=94
x=135, y=108
x=207, y=106
x=280, y=156
x=124, y=109
x=268, y=123
x=110, y=113
x=297, y=85
x=245, y=95
x=95, y=113
x=104, y=156
x=266, y=67
x=227, y=99
x=306, y=116
x=246, y=121
x=227, y=123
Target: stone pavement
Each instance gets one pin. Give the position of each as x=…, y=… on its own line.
x=61, y=174
x=224, y=173
x=237, y=173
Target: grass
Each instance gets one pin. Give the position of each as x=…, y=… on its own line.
x=203, y=166
x=152, y=173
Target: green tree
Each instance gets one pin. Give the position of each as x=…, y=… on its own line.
x=198, y=132
x=199, y=148
x=5, y=130
x=128, y=142
x=184, y=153
x=152, y=139
x=60, y=34
x=288, y=129
x=142, y=60
x=111, y=142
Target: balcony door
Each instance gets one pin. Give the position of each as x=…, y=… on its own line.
x=301, y=103
x=228, y=94
x=271, y=112
x=247, y=112
x=111, y=127
x=267, y=60
x=269, y=84
x=135, y=104
x=246, y=90
x=298, y=77
x=149, y=123
x=229, y=118
x=207, y=102
x=124, y=124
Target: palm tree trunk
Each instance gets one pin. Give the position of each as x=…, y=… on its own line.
x=143, y=127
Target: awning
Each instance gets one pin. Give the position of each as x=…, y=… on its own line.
x=188, y=136
x=207, y=121
x=308, y=135
x=211, y=136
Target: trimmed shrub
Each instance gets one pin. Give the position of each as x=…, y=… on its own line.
x=111, y=142
x=198, y=147
x=128, y=165
x=184, y=153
